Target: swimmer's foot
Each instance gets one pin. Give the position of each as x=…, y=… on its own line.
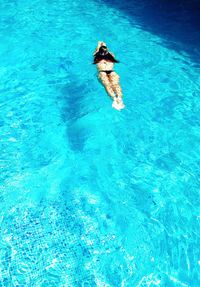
x=118, y=104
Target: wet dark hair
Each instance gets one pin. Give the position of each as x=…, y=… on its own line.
x=103, y=50
x=104, y=54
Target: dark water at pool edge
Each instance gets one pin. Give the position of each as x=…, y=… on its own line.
x=176, y=22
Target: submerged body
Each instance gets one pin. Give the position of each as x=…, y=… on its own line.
x=105, y=61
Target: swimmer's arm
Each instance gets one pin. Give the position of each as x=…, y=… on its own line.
x=112, y=54
x=114, y=57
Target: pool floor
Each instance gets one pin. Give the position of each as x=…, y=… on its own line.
x=91, y=196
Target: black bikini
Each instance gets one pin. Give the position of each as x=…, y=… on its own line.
x=107, y=72
x=109, y=57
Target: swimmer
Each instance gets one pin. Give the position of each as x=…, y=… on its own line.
x=105, y=61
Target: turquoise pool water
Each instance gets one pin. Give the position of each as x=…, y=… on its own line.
x=91, y=196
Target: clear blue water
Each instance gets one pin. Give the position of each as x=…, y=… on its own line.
x=91, y=196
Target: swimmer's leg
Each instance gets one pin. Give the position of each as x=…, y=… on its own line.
x=105, y=81
x=114, y=80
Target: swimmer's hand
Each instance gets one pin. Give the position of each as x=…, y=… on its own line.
x=101, y=43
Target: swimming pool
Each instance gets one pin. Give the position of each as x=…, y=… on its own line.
x=91, y=196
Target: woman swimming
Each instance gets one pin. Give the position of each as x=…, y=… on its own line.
x=105, y=61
